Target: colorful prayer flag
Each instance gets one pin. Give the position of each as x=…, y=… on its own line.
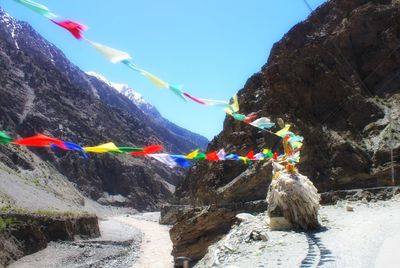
x=38, y=8
x=74, y=28
x=164, y=158
x=284, y=131
x=262, y=123
x=111, y=54
x=212, y=156
x=177, y=89
x=40, y=140
x=4, y=138
x=155, y=80
x=181, y=161
x=109, y=147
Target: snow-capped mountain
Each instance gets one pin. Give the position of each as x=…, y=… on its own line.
x=125, y=90
x=152, y=111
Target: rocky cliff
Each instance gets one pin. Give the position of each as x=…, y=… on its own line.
x=23, y=234
x=335, y=78
x=42, y=92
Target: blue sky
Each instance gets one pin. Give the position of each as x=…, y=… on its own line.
x=211, y=46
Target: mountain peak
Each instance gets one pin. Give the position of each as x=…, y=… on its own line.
x=125, y=90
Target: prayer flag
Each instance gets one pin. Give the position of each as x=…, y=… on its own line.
x=38, y=8
x=221, y=154
x=181, y=161
x=284, y=131
x=164, y=158
x=155, y=80
x=4, y=138
x=192, y=155
x=177, y=89
x=262, y=123
x=40, y=140
x=212, y=156
x=109, y=147
x=74, y=28
x=111, y=54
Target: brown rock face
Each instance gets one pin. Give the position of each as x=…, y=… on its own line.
x=335, y=78
x=199, y=227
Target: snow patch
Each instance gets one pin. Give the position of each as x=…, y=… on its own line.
x=12, y=25
x=124, y=89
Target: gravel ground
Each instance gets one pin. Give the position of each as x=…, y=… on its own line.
x=118, y=246
x=355, y=234
x=126, y=241
x=368, y=236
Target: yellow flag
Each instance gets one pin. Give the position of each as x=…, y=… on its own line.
x=284, y=131
x=103, y=148
x=296, y=145
x=235, y=104
x=155, y=80
x=192, y=155
x=233, y=107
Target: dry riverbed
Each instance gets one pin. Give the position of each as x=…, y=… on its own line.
x=126, y=241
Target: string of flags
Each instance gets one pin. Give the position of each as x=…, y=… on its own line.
x=292, y=142
x=291, y=155
x=118, y=56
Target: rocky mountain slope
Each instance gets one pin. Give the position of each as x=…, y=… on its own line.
x=42, y=92
x=335, y=78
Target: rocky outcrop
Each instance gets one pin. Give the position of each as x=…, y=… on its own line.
x=42, y=92
x=334, y=77
x=365, y=195
x=24, y=234
x=199, y=227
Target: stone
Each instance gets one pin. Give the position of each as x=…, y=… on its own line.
x=349, y=208
x=244, y=217
x=258, y=235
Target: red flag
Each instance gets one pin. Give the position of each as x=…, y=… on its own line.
x=194, y=98
x=74, y=28
x=152, y=149
x=149, y=150
x=276, y=156
x=213, y=156
x=250, y=118
x=40, y=140
x=251, y=156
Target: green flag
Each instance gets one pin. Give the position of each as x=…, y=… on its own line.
x=41, y=9
x=130, y=149
x=200, y=156
x=178, y=91
x=4, y=138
